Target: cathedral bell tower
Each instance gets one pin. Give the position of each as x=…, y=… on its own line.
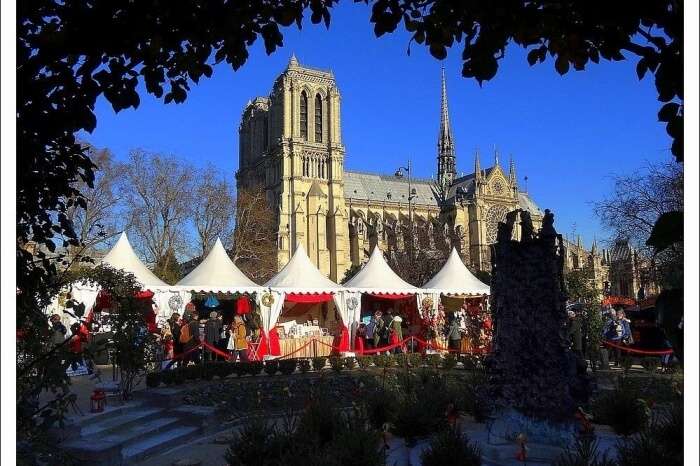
x=445, y=147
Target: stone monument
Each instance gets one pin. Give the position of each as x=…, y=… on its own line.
x=536, y=385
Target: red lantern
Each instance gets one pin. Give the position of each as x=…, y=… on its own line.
x=97, y=401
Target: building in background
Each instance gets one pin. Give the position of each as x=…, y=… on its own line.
x=291, y=143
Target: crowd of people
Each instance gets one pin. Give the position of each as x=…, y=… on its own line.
x=180, y=335
x=433, y=325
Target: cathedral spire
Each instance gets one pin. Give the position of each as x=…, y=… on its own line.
x=477, y=165
x=511, y=169
x=446, y=151
x=293, y=61
x=495, y=156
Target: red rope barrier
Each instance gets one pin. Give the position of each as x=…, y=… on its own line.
x=298, y=349
x=638, y=351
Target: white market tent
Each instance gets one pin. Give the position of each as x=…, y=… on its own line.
x=123, y=257
x=375, y=277
x=217, y=274
x=455, y=279
x=299, y=276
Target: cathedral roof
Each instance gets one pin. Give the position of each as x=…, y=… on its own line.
x=526, y=203
x=387, y=188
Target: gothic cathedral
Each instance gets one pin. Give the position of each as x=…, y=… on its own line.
x=291, y=143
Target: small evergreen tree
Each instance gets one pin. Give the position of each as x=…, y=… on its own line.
x=168, y=268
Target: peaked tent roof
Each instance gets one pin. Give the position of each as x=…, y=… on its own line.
x=217, y=273
x=300, y=275
x=122, y=256
x=377, y=277
x=455, y=278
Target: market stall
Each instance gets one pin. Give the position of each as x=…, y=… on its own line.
x=122, y=257
x=377, y=288
x=302, y=311
x=217, y=284
x=465, y=296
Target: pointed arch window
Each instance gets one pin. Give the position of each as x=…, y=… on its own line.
x=304, y=116
x=318, y=120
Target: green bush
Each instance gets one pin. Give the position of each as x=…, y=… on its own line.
x=650, y=364
x=254, y=367
x=365, y=361
x=450, y=362
x=473, y=398
x=415, y=359
x=350, y=362
x=240, y=368
x=415, y=418
x=622, y=410
x=384, y=360
x=584, y=452
x=336, y=363
x=153, y=379
x=193, y=372
x=168, y=376
x=433, y=360
x=252, y=440
x=271, y=366
x=660, y=444
x=207, y=371
x=179, y=375
x=380, y=406
x=287, y=366
x=304, y=365
x=319, y=362
x=451, y=448
x=472, y=362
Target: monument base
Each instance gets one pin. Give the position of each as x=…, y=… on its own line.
x=508, y=424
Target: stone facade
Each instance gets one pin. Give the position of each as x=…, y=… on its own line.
x=291, y=142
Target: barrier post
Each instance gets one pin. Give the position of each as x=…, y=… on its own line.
x=315, y=353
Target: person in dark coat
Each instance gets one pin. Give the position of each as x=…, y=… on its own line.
x=212, y=333
x=175, y=325
x=574, y=334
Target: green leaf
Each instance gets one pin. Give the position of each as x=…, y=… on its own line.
x=667, y=231
x=561, y=65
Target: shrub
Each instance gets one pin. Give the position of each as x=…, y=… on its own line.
x=240, y=369
x=626, y=362
x=660, y=444
x=153, y=379
x=473, y=398
x=287, y=366
x=433, y=360
x=254, y=367
x=255, y=437
x=472, y=362
x=365, y=361
x=355, y=443
x=622, y=410
x=336, y=363
x=193, y=372
x=179, y=375
x=350, y=362
x=304, y=365
x=168, y=377
x=384, y=360
x=380, y=406
x=415, y=359
x=449, y=448
x=450, y=362
x=584, y=452
x=650, y=364
x=206, y=372
x=271, y=366
x=319, y=362
x=415, y=418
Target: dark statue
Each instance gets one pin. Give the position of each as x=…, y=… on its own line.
x=533, y=371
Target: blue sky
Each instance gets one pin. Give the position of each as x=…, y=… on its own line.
x=568, y=134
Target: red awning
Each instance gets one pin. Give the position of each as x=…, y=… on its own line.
x=391, y=295
x=308, y=298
